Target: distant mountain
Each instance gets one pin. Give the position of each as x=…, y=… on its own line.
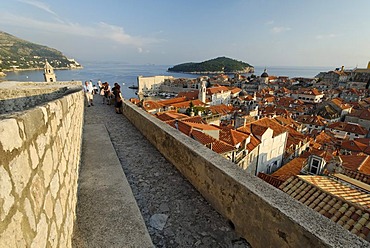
x=214, y=66
x=18, y=54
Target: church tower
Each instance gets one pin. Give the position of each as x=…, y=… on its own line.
x=49, y=74
x=265, y=77
x=202, y=91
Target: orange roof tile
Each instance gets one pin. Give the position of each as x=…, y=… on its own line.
x=340, y=203
x=353, y=145
x=232, y=137
x=292, y=168
x=359, y=163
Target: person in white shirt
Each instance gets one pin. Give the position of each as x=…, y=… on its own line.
x=88, y=89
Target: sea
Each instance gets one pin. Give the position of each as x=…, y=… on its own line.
x=126, y=74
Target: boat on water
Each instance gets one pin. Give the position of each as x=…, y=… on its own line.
x=133, y=87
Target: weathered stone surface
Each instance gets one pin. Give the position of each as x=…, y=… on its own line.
x=31, y=217
x=12, y=236
x=58, y=211
x=34, y=157
x=158, y=221
x=45, y=114
x=41, y=144
x=6, y=198
x=53, y=235
x=9, y=134
x=37, y=193
x=54, y=185
x=42, y=233
x=47, y=167
x=20, y=171
x=29, y=213
x=49, y=205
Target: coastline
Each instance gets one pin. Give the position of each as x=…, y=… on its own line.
x=41, y=68
x=212, y=72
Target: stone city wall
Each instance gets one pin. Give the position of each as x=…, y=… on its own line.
x=262, y=214
x=39, y=163
x=19, y=96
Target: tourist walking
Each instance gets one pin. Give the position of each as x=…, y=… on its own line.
x=107, y=93
x=88, y=90
x=118, y=99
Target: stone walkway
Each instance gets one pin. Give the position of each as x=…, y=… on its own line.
x=175, y=214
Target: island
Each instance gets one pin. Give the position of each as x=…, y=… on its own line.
x=214, y=66
x=17, y=54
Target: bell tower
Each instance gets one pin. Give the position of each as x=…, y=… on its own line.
x=202, y=91
x=49, y=74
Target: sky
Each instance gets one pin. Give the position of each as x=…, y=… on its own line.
x=168, y=32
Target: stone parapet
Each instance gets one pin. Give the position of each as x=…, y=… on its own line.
x=262, y=214
x=18, y=96
x=39, y=163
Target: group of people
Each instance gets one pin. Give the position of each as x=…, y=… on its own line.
x=110, y=96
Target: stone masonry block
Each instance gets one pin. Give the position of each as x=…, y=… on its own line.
x=54, y=185
x=9, y=135
x=53, y=235
x=34, y=156
x=32, y=125
x=42, y=233
x=49, y=205
x=20, y=171
x=6, y=198
x=58, y=211
x=30, y=214
x=12, y=236
x=47, y=167
x=37, y=192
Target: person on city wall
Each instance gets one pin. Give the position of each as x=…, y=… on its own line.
x=88, y=90
x=118, y=99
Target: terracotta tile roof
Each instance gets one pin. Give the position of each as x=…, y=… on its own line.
x=221, y=109
x=151, y=105
x=359, y=163
x=270, y=179
x=254, y=142
x=287, y=121
x=292, y=168
x=135, y=101
x=232, y=137
x=166, y=102
x=170, y=115
x=189, y=95
x=215, y=145
x=181, y=126
x=200, y=126
x=365, y=178
x=196, y=119
x=235, y=90
x=186, y=104
x=353, y=145
x=202, y=137
x=341, y=104
x=363, y=114
x=216, y=90
x=365, y=141
x=313, y=120
x=260, y=126
x=348, y=127
x=337, y=201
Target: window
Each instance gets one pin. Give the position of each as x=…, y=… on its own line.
x=315, y=166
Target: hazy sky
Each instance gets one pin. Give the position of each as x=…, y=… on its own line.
x=260, y=32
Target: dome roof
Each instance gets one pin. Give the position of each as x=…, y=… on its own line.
x=264, y=74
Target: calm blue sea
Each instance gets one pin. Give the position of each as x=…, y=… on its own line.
x=126, y=74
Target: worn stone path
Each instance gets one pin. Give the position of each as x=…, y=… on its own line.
x=175, y=214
